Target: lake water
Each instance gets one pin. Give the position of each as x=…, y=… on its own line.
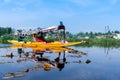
x=87, y=63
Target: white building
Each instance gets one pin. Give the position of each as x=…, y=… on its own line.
x=116, y=36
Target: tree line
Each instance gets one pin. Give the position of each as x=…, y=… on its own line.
x=7, y=30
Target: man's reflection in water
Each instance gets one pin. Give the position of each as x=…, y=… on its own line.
x=60, y=62
x=20, y=52
x=23, y=56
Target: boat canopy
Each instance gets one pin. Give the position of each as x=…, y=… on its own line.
x=53, y=28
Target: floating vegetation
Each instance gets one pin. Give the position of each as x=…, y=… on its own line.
x=88, y=61
x=26, y=70
x=6, y=62
x=12, y=75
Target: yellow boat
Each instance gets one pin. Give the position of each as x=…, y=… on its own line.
x=43, y=44
x=39, y=41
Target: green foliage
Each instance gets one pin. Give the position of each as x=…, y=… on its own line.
x=4, y=31
x=5, y=37
x=108, y=42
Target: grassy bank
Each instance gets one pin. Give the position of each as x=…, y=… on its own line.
x=109, y=42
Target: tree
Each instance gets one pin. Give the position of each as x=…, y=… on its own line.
x=4, y=31
x=19, y=30
x=116, y=31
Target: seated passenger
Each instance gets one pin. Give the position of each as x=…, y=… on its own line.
x=39, y=37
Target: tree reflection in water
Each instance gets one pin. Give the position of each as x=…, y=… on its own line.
x=47, y=64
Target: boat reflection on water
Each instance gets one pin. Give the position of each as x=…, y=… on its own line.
x=46, y=63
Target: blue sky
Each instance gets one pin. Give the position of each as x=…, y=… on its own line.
x=77, y=15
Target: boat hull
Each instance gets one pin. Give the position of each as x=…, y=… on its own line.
x=43, y=44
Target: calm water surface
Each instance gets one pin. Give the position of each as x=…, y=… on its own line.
x=89, y=63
